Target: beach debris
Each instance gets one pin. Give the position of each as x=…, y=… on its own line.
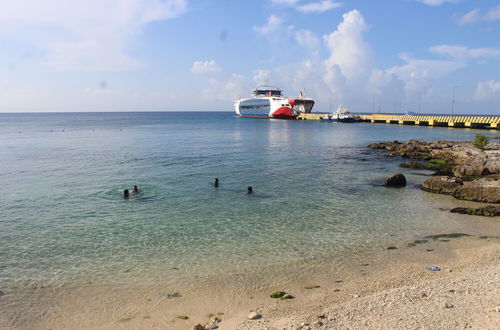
x=198, y=326
x=433, y=268
x=336, y=290
x=253, y=315
x=365, y=265
x=183, y=317
x=309, y=287
x=287, y=296
x=392, y=248
x=173, y=295
x=429, y=250
x=126, y=319
x=423, y=295
x=278, y=294
x=354, y=295
x=498, y=309
x=447, y=305
x=322, y=316
x=396, y=181
x=317, y=323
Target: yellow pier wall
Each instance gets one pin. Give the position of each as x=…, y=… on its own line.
x=446, y=121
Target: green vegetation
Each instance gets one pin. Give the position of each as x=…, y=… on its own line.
x=309, y=287
x=481, y=141
x=183, y=317
x=278, y=294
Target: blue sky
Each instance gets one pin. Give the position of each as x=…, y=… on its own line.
x=140, y=55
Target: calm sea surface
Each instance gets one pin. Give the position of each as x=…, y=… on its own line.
x=64, y=221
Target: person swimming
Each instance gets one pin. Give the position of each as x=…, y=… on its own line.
x=136, y=190
x=249, y=190
x=126, y=193
x=216, y=182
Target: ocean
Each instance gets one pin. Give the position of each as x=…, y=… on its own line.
x=318, y=196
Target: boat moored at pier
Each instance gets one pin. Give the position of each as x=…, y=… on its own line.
x=268, y=102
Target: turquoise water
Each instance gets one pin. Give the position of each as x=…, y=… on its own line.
x=63, y=219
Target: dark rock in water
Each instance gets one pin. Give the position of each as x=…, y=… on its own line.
x=310, y=287
x=2, y=293
x=411, y=245
x=454, y=235
x=173, y=295
x=487, y=211
x=392, y=248
x=420, y=241
x=396, y=181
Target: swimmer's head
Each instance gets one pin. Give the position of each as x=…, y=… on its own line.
x=136, y=189
x=125, y=193
x=249, y=190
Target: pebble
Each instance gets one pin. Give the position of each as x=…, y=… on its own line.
x=322, y=316
x=198, y=327
x=447, y=305
x=355, y=295
x=498, y=308
x=254, y=316
x=336, y=290
x=287, y=296
x=318, y=324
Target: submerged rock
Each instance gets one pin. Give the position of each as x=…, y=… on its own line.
x=487, y=211
x=396, y=181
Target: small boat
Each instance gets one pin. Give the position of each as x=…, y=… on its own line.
x=341, y=115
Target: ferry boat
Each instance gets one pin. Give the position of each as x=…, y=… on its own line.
x=269, y=102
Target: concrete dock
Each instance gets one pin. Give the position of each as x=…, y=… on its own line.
x=491, y=122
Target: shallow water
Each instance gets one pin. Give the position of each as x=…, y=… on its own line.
x=318, y=193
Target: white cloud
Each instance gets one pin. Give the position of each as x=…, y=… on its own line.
x=226, y=90
x=85, y=35
x=475, y=16
x=487, y=90
x=285, y=2
x=318, y=7
x=204, y=67
x=436, y=2
x=349, y=52
x=273, y=24
x=493, y=14
x=464, y=53
x=261, y=77
x=472, y=16
x=308, y=40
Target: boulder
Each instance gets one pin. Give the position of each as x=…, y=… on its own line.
x=481, y=190
x=441, y=185
x=396, y=181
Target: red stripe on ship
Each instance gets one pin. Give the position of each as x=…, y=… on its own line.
x=284, y=113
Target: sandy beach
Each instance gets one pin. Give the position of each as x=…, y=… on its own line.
x=383, y=289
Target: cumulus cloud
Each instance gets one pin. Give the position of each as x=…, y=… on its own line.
x=204, y=67
x=318, y=7
x=487, y=90
x=85, y=35
x=349, y=52
x=261, y=77
x=436, y=2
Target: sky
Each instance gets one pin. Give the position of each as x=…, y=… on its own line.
x=200, y=55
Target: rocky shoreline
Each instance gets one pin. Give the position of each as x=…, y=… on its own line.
x=461, y=170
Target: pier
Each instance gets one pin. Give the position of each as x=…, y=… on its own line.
x=491, y=122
